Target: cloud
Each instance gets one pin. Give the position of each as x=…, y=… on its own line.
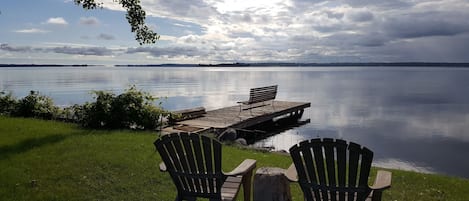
x=349, y=40
x=56, y=21
x=182, y=25
x=156, y=52
x=89, y=21
x=301, y=30
x=32, y=30
x=167, y=51
x=360, y=16
x=103, y=36
x=415, y=27
x=193, y=11
x=94, y=51
x=383, y=4
x=8, y=48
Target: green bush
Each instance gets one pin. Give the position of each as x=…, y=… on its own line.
x=7, y=103
x=32, y=105
x=96, y=114
x=131, y=109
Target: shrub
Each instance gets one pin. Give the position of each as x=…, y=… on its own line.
x=131, y=109
x=151, y=116
x=66, y=114
x=7, y=103
x=36, y=105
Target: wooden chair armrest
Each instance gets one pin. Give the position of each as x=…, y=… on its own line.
x=162, y=167
x=382, y=181
x=243, y=168
x=291, y=173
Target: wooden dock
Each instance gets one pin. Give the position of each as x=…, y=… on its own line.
x=231, y=117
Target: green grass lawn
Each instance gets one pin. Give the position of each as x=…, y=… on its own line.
x=47, y=160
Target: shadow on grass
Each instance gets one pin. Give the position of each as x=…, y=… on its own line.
x=28, y=144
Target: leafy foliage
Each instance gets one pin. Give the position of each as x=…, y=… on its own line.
x=131, y=109
x=135, y=16
x=32, y=105
x=7, y=103
x=35, y=105
x=96, y=114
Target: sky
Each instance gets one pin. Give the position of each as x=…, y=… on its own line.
x=224, y=31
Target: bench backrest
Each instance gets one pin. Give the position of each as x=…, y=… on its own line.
x=261, y=94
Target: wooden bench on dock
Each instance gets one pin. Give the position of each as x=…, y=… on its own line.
x=259, y=95
x=186, y=114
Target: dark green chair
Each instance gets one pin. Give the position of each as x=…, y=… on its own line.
x=194, y=164
x=329, y=169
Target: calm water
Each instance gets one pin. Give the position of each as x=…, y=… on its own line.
x=412, y=118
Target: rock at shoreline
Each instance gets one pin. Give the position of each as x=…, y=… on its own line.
x=228, y=135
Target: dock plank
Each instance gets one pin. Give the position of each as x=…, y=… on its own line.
x=231, y=117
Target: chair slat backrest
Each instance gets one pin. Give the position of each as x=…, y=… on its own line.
x=331, y=169
x=194, y=163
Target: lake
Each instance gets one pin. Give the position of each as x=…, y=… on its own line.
x=412, y=118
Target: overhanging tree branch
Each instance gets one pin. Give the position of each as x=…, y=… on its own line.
x=135, y=16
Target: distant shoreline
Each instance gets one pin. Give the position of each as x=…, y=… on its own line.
x=345, y=64
x=45, y=65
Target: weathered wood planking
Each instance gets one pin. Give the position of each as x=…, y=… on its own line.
x=230, y=117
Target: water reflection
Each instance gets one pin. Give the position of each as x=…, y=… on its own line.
x=402, y=165
x=413, y=118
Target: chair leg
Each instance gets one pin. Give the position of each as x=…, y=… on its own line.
x=376, y=195
x=179, y=198
x=247, y=186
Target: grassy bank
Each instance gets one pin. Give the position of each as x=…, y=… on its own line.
x=46, y=160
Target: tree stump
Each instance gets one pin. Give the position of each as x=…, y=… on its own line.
x=270, y=184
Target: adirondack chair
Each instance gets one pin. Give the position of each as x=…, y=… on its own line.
x=194, y=164
x=329, y=169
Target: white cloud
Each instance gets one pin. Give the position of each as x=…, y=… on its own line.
x=89, y=21
x=57, y=21
x=304, y=30
x=360, y=16
x=181, y=25
x=66, y=49
x=104, y=36
x=32, y=30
